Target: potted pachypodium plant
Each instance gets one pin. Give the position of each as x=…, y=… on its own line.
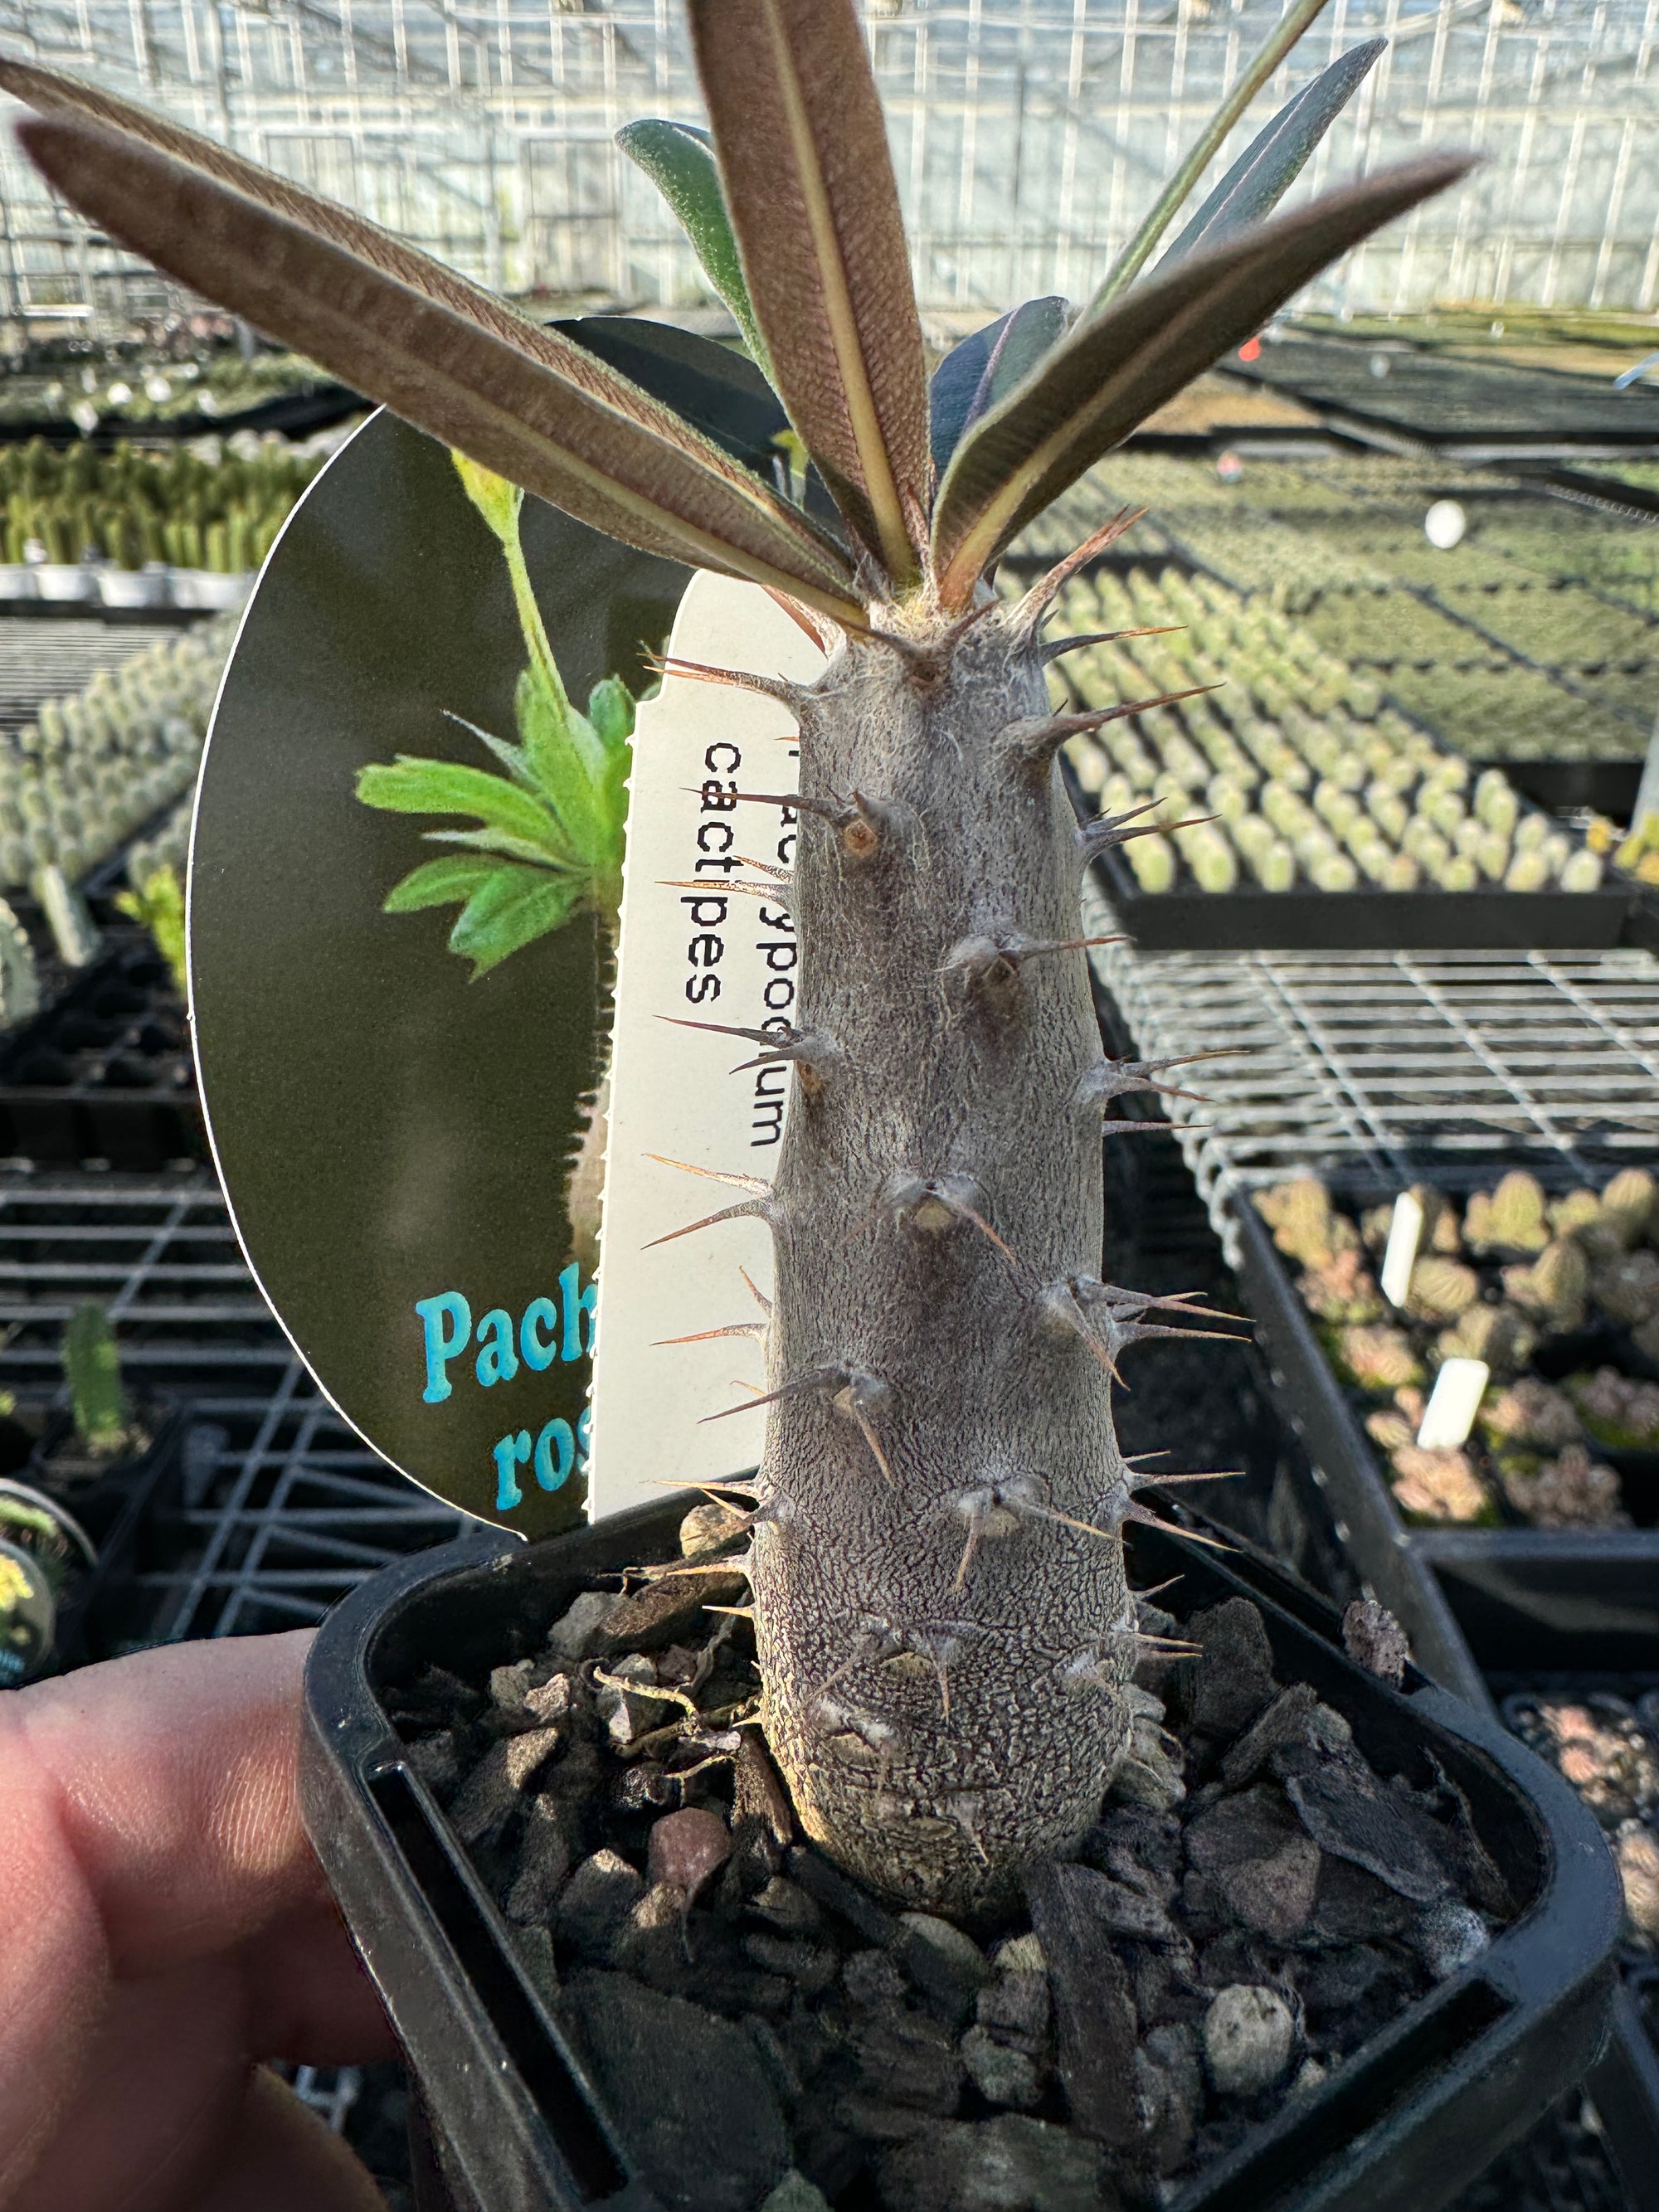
x=945, y=1635
x=950, y=1082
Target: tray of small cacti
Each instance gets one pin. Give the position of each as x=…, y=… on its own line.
x=108, y=763
x=91, y=390
x=1480, y=1357
x=1286, y=802
x=132, y=527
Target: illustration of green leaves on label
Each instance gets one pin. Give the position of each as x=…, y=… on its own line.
x=406, y=893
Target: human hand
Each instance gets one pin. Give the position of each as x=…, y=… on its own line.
x=165, y=1929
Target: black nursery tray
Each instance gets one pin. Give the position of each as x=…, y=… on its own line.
x=1390, y=1553
x=1303, y=920
x=105, y=1072
x=1568, y=1626
x=1411, y=2117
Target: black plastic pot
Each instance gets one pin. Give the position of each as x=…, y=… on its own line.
x=112, y=1507
x=1401, y=2127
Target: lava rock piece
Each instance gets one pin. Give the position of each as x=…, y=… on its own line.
x=1247, y=2035
x=572, y=1635
x=1002, y=2074
x=1173, y=2110
x=535, y=1949
x=491, y=1794
x=1374, y=1639
x=838, y=1894
x=905, y=2059
x=1094, y=2013
x=785, y=1907
x=595, y=1907
x=758, y=1791
x=1353, y=1906
x=1131, y=1912
x=435, y=1698
x=1152, y=1840
x=947, y=1967
x=872, y=1980
x=663, y=1611
x=436, y=1760
x=811, y=1966
x=1255, y=1852
x=689, y=1848
x=687, y=2094
x=1010, y=2164
x=544, y=1862
x=1347, y=1812
x=1283, y=1722
x=1232, y=1678
x=1014, y=2008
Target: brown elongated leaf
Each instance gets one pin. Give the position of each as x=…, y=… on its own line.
x=524, y=402
x=809, y=181
x=1116, y=367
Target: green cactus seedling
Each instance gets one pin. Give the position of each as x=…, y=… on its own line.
x=98, y=1397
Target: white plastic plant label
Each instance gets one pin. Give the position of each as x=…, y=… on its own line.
x=705, y=938
x=1405, y=1235
x=1453, y=1404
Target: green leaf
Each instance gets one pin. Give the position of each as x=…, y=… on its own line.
x=611, y=710
x=509, y=848
x=679, y=159
x=411, y=786
x=437, y=883
x=566, y=758
x=986, y=367
x=514, y=907
x=1272, y=161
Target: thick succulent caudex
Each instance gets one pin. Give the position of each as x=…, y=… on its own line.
x=946, y=1632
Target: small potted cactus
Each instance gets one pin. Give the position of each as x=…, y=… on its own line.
x=102, y=1429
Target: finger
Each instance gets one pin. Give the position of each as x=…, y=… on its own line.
x=280, y=2157
x=148, y=1817
x=162, y=2076
x=307, y=1998
x=171, y=1780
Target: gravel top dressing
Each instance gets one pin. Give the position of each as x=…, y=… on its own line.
x=1254, y=1903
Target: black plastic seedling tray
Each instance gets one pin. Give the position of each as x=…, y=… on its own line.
x=1410, y=2119
x=1185, y=919
x=105, y=1071
x=1569, y=1626
x=1385, y=1549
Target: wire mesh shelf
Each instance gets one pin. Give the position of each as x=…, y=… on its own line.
x=1386, y=1062
x=280, y=1507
